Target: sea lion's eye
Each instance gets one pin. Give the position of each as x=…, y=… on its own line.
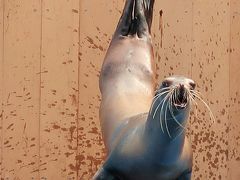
x=192, y=85
x=165, y=83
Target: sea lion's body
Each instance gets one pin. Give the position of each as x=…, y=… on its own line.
x=135, y=157
x=137, y=148
x=125, y=79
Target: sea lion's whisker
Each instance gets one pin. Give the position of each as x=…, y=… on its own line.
x=195, y=104
x=158, y=104
x=191, y=102
x=165, y=114
x=160, y=117
x=187, y=98
x=172, y=114
x=191, y=99
x=196, y=92
x=160, y=111
x=159, y=94
x=162, y=89
x=191, y=95
x=206, y=105
x=163, y=102
x=175, y=96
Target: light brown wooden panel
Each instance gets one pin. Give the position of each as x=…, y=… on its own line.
x=234, y=90
x=98, y=22
x=211, y=72
x=59, y=89
x=172, y=35
x=20, y=131
x=1, y=80
x=200, y=39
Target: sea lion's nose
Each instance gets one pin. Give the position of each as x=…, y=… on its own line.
x=181, y=86
x=181, y=90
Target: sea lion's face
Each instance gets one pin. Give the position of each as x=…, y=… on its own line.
x=172, y=102
x=179, y=91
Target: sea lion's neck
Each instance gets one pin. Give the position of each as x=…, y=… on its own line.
x=166, y=128
x=167, y=121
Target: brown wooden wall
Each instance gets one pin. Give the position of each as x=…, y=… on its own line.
x=51, y=52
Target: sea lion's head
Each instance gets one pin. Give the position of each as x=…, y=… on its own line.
x=172, y=102
x=177, y=89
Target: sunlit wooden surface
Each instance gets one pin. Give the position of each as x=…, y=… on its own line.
x=50, y=58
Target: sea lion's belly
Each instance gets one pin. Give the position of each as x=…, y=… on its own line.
x=126, y=76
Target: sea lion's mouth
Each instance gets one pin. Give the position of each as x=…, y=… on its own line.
x=180, y=98
x=180, y=104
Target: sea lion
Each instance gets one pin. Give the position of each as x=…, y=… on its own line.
x=143, y=130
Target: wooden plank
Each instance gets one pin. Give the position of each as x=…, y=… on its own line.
x=20, y=131
x=211, y=72
x=172, y=38
x=1, y=78
x=97, y=26
x=59, y=89
x=234, y=79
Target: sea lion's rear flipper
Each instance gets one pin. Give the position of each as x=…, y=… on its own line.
x=136, y=18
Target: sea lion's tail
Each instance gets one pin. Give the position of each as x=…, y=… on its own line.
x=136, y=18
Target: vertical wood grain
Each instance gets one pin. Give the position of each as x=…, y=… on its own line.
x=211, y=71
x=234, y=88
x=59, y=89
x=98, y=22
x=51, y=53
x=1, y=78
x=21, y=91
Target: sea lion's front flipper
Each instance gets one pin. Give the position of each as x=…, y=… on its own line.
x=136, y=18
